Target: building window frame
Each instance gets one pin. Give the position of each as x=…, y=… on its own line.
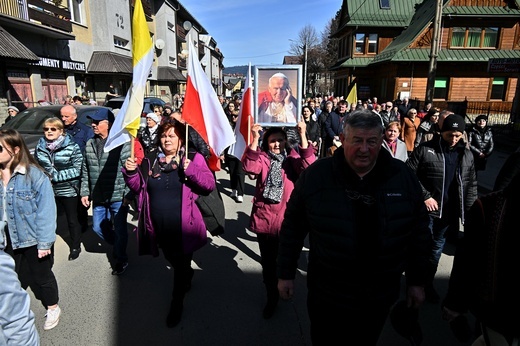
x=120, y=42
x=498, y=88
x=365, y=43
x=441, y=88
x=77, y=9
x=474, y=37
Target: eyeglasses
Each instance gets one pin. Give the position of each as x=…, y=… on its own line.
x=2, y=150
x=355, y=196
x=53, y=129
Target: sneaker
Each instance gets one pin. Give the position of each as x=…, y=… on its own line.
x=240, y=199
x=52, y=317
x=233, y=193
x=119, y=268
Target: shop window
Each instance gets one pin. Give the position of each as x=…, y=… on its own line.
x=440, y=88
x=366, y=44
x=76, y=8
x=474, y=37
x=498, y=88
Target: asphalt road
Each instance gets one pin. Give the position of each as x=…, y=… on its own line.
x=224, y=305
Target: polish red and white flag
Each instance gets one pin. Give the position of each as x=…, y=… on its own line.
x=202, y=110
x=245, y=120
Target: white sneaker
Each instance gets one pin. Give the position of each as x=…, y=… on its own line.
x=240, y=199
x=233, y=193
x=52, y=318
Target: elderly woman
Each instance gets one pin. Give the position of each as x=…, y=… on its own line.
x=28, y=215
x=392, y=143
x=147, y=136
x=410, y=124
x=277, y=167
x=61, y=157
x=168, y=184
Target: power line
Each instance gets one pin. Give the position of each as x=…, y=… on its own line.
x=257, y=56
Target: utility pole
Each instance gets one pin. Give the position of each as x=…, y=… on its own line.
x=305, y=70
x=434, y=52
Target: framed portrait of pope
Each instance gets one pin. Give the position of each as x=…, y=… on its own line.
x=278, y=95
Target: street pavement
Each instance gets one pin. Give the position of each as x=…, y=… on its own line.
x=225, y=303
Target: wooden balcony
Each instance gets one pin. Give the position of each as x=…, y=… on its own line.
x=48, y=14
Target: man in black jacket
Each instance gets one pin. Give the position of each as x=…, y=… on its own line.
x=367, y=225
x=446, y=171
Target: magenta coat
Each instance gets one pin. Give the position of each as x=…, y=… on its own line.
x=200, y=179
x=267, y=217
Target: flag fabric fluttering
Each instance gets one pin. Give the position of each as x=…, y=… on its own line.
x=245, y=120
x=128, y=119
x=202, y=110
x=352, y=95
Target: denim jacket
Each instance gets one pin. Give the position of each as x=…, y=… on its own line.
x=30, y=207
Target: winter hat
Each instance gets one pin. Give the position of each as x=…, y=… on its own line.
x=481, y=116
x=13, y=108
x=453, y=122
x=154, y=117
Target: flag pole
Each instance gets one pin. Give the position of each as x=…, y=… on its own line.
x=132, y=146
x=187, y=139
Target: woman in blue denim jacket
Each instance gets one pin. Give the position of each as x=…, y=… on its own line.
x=28, y=210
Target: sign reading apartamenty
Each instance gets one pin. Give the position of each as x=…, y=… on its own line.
x=506, y=65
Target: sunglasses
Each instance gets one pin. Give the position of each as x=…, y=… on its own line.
x=53, y=129
x=2, y=150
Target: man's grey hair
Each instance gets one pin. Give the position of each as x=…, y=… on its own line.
x=363, y=119
x=280, y=75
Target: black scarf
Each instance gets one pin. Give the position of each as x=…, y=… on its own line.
x=274, y=183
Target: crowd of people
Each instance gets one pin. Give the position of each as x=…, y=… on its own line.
x=375, y=186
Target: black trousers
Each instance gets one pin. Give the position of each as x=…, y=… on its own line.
x=268, y=245
x=40, y=275
x=237, y=176
x=182, y=271
x=67, y=219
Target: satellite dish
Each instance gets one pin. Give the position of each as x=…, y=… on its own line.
x=187, y=25
x=159, y=43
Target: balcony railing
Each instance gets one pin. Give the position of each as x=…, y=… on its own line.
x=40, y=11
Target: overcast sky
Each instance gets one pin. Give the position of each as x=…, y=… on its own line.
x=259, y=31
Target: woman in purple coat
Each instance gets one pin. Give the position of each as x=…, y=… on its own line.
x=277, y=168
x=168, y=184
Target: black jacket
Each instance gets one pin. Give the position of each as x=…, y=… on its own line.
x=427, y=161
x=356, y=249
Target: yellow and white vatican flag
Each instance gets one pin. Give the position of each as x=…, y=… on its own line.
x=127, y=120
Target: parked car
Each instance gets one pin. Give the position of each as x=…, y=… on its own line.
x=30, y=121
x=149, y=104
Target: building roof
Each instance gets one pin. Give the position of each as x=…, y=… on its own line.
x=11, y=48
x=166, y=73
x=356, y=62
x=292, y=60
x=479, y=11
x=108, y=62
x=369, y=13
x=456, y=55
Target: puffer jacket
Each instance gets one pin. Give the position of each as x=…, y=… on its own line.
x=481, y=141
x=427, y=161
x=267, y=217
x=101, y=179
x=199, y=180
x=343, y=267
x=63, y=165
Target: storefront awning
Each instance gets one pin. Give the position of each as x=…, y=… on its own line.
x=11, y=48
x=108, y=62
x=165, y=73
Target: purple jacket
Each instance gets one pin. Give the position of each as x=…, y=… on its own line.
x=267, y=217
x=199, y=180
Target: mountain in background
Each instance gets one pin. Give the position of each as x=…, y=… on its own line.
x=237, y=70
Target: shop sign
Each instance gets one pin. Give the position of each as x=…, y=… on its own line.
x=59, y=64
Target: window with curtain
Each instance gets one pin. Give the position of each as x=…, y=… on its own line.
x=440, y=88
x=76, y=8
x=366, y=44
x=498, y=88
x=473, y=37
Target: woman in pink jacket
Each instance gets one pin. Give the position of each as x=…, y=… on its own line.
x=277, y=168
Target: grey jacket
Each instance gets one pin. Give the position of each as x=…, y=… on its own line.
x=102, y=179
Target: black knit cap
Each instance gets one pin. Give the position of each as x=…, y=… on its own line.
x=453, y=122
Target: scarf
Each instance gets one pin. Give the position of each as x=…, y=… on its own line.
x=274, y=183
x=392, y=145
x=160, y=164
x=55, y=144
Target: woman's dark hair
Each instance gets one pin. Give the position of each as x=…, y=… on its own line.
x=309, y=108
x=24, y=158
x=179, y=128
x=271, y=131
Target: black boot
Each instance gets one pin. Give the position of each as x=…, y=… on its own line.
x=175, y=314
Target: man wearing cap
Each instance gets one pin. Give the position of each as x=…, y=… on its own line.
x=102, y=184
x=445, y=168
x=12, y=111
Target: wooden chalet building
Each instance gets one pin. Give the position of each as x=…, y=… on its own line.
x=384, y=46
